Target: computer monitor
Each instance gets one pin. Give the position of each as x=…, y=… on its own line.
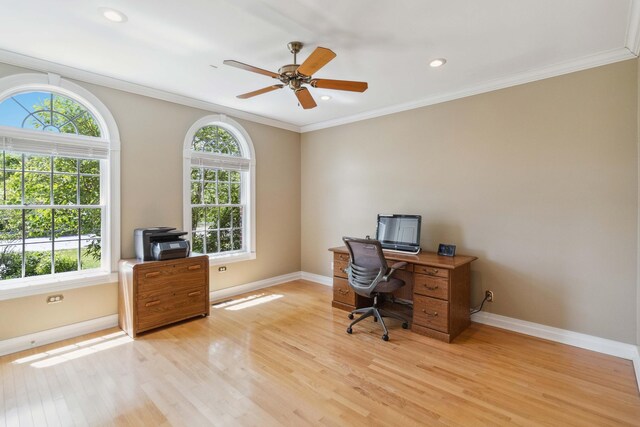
x=399, y=232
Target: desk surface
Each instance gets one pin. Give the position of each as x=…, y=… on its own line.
x=423, y=258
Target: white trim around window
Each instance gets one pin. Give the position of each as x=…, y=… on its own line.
x=246, y=163
x=106, y=147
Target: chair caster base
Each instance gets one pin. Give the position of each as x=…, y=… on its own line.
x=405, y=325
x=385, y=337
x=350, y=316
x=349, y=330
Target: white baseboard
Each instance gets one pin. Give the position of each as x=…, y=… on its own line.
x=323, y=280
x=576, y=339
x=253, y=286
x=24, y=342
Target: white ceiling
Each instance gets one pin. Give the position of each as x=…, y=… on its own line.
x=169, y=45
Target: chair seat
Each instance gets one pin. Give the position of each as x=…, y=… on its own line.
x=390, y=286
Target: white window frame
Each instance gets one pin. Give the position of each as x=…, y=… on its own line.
x=109, y=140
x=248, y=189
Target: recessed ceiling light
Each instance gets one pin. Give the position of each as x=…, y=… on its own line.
x=325, y=97
x=439, y=62
x=113, y=15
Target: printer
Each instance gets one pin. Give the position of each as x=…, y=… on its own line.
x=160, y=243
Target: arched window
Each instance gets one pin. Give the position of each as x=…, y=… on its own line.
x=59, y=155
x=219, y=195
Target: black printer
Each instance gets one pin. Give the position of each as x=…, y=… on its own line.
x=160, y=243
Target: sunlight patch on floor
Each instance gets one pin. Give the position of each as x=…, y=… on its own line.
x=75, y=351
x=246, y=302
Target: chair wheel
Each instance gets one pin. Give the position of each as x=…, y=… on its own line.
x=350, y=316
x=385, y=337
x=349, y=330
x=405, y=325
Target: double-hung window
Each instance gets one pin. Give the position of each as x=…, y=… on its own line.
x=54, y=189
x=219, y=191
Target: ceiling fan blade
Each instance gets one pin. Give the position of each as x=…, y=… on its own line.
x=318, y=59
x=250, y=68
x=259, y=91
x=340, y=85
x=305, y=98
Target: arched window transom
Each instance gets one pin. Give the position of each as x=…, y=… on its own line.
x=48, y=112
x=215, y=139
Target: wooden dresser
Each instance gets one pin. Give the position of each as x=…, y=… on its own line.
x=157, y=293
x=438, y=286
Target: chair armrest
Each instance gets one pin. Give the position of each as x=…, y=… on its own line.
x=398, y=265
x=393, y=268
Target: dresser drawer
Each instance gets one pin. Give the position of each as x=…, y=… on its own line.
x=430, y=312
x=431, y=286
x=184, y=273
x=342, y=292
x=339, y=267
x=160, y=309
x=431, y=271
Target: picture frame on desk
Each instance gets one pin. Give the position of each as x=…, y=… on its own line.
x=446, y=250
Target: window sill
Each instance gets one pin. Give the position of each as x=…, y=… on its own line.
x=18, y=288
x=231, y=258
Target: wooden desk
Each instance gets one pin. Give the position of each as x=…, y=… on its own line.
x=438, y=286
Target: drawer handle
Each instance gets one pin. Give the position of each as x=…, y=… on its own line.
x=194, y=293
x=431, y=288
x=152, y=274
x=152, y=303
x=194, y=267
x=434, y=314
x=432, y=272
x=343, y=291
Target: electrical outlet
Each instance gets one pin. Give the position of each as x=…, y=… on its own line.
x=488, y=295
x=222, y=269
x=52, y=299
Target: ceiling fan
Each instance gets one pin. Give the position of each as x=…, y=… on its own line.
x=296, y=75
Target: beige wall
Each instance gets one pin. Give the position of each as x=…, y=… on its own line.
x=152, y=133
x=638, y=278
x=539, y=181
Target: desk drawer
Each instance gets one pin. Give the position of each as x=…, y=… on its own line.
x=338, y=268
x=431, y=286
x=342, y=292
x=431, y=271
x=340, y=257
x=431, y=313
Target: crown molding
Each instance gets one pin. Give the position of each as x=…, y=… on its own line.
x=19, y=60
x=590, y=61
x=633, y=28
x=566, y=67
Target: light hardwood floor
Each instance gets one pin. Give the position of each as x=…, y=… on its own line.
x=282, y=357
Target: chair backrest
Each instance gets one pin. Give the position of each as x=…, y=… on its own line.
x=367, y=264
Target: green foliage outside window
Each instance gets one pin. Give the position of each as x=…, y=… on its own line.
x=35, y=191
x=217, y=210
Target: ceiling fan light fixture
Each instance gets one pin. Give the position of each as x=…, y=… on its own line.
x=113, y=15
x=438, y=62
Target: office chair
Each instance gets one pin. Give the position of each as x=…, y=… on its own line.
x=370, y=276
